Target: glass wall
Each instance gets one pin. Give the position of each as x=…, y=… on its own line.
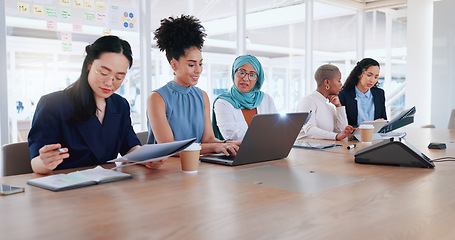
x=46, y=44
x=398, y=65
x=392, y=78
x=281, y=43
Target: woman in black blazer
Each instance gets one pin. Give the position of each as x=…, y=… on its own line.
x=87, y=123
x=363, y=99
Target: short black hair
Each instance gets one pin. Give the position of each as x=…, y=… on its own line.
x=175, y=35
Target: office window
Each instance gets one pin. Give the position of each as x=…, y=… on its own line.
x=221, y=78
x=376, y=46
x=398, y=69
x=41, y=61
x=279, y=44
x=46, y=45
x=335, y=40
x=218, y=51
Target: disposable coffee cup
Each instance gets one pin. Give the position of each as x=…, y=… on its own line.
x=189, y=158
x=366, y=133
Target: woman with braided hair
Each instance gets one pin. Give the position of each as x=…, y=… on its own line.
x=87, y=123
x=180, y=110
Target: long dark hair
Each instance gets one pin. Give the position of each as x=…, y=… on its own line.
x=353, y=78
x=175, y=35
x=80, y=92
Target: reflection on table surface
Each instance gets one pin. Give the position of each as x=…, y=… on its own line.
x=386, y=203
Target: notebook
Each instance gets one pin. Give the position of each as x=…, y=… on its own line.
x=60, y=182
x=269, y=137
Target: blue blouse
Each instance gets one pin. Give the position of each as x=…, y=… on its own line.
x=184, y=111
x=89, y=143
x=365, y=106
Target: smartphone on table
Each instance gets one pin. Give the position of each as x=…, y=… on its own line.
x=7, y=189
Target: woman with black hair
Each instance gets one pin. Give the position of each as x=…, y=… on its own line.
x=180, y=110
x=87, y=119
x=361, y=95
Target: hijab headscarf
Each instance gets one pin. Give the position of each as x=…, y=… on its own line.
x=240, y=100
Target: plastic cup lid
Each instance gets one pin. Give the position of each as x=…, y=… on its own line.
x=366, y=126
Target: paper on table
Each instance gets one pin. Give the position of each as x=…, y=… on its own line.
x=99, y=173
x=315, y=145
x=154, y=152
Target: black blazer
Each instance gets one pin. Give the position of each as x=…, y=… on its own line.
x=347, y=99
x=89, y=143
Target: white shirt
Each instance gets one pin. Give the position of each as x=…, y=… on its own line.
x=231, y=121
x=326, y=120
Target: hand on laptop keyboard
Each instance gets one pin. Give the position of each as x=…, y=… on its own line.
x=228, y=148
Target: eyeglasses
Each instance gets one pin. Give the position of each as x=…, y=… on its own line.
x=101, y=76
x=251, y=76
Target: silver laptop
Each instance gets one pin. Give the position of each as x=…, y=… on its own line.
x=269, y=137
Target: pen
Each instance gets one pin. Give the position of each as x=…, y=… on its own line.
x=59, y=150
x=351, y=146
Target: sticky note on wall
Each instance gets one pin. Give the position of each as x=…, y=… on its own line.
x=65, y=13
x=67, y=46
x=51, y=11
x=90, y=4
x=51, y=24
x=77, y=26
x=66, y=3
x=23, y=8
x=100, y=6
x=39, y=10
x=79, y=3
x=66, y=36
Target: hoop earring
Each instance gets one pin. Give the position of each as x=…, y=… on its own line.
x=327, y=87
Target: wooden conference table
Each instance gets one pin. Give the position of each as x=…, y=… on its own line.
x=385, y=203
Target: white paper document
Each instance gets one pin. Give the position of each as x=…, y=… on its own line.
x=154, y=152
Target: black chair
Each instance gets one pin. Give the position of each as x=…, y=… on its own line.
x=16, y=159
x=142, y=137
x=452, y=120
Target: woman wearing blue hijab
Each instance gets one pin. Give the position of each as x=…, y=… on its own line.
x=234, y=109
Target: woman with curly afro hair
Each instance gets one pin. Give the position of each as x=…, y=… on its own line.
x=179, y=110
